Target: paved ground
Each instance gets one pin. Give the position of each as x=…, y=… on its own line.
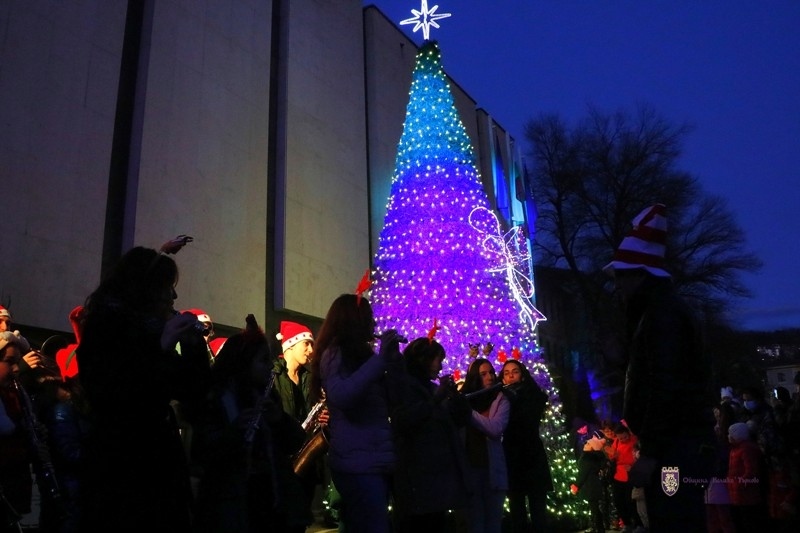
x=317, y=528
x=30, y=522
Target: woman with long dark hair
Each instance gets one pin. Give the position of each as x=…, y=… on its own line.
x=487, y=463
x=137, y=476
x=431, y=462
x=529, y=478
x=356, y=383
x=244, y=445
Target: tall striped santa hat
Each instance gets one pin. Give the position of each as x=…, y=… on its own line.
x=645, y=245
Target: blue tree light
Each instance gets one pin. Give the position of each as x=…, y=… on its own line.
x=439, y=255
x=443, y=258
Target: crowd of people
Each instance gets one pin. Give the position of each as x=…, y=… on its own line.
x=750, y=482
x=672, y=465
x=145, y=426
x=153, y=428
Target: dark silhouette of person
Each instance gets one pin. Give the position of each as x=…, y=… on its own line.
x=666, y=401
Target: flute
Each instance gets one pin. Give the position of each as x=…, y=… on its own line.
x=198, y=326
x=400, y=338
x=510, y=389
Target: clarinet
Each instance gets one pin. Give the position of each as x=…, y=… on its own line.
x=42, y=465
x=9, y=517
x=250, y=434
x=255, y=422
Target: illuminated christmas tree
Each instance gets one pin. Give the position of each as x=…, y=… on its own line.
x=444, y=258
x=442, y=254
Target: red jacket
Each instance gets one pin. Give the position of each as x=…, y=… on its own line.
x=623, y=457
x=745, y=475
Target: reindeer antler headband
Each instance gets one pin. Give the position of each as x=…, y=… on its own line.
x=363, y=286
x=432, y=332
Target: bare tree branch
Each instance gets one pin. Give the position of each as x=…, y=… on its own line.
x=589, y=181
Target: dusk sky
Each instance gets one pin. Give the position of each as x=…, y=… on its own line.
x=728, y=68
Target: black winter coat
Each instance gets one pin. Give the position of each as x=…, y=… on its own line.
x=296, y=405
x=237, y=490
x=431, y=460
x=668, y=377
x=590, y=486
x=528, y=468
x=136, y=469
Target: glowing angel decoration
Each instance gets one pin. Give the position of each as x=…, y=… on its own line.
x=425, y=18
x=509, y=257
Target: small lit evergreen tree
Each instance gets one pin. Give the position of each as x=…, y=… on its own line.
x=444, y=259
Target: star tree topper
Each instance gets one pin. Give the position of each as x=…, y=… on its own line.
x=425, y=18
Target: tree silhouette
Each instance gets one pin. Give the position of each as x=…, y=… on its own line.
x=590, y=180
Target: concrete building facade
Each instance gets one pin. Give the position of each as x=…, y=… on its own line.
x=267, y=130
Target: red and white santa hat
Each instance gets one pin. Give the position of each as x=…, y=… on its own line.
x=4, y=313
x=291, y=333
x=645, y=245
x=201, y=315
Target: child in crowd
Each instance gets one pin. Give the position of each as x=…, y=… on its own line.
x=717, y=496
x=641, y=476
x=745, y=478
x=624, y=441
x=589, y=484
x=607, y=475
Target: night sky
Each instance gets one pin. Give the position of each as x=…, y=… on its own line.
x=730, y=70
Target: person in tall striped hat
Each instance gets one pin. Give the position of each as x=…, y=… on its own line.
x=667, y=399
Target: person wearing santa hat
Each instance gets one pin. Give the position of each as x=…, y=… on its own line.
x=184, y=417
x=667, y=403
x=293, y=384
x=292, y=379
x=15, y=454
x=31, y=359
x=5, y=319
x=213, y=342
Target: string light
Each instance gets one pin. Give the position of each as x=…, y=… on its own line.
x=442, y=255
